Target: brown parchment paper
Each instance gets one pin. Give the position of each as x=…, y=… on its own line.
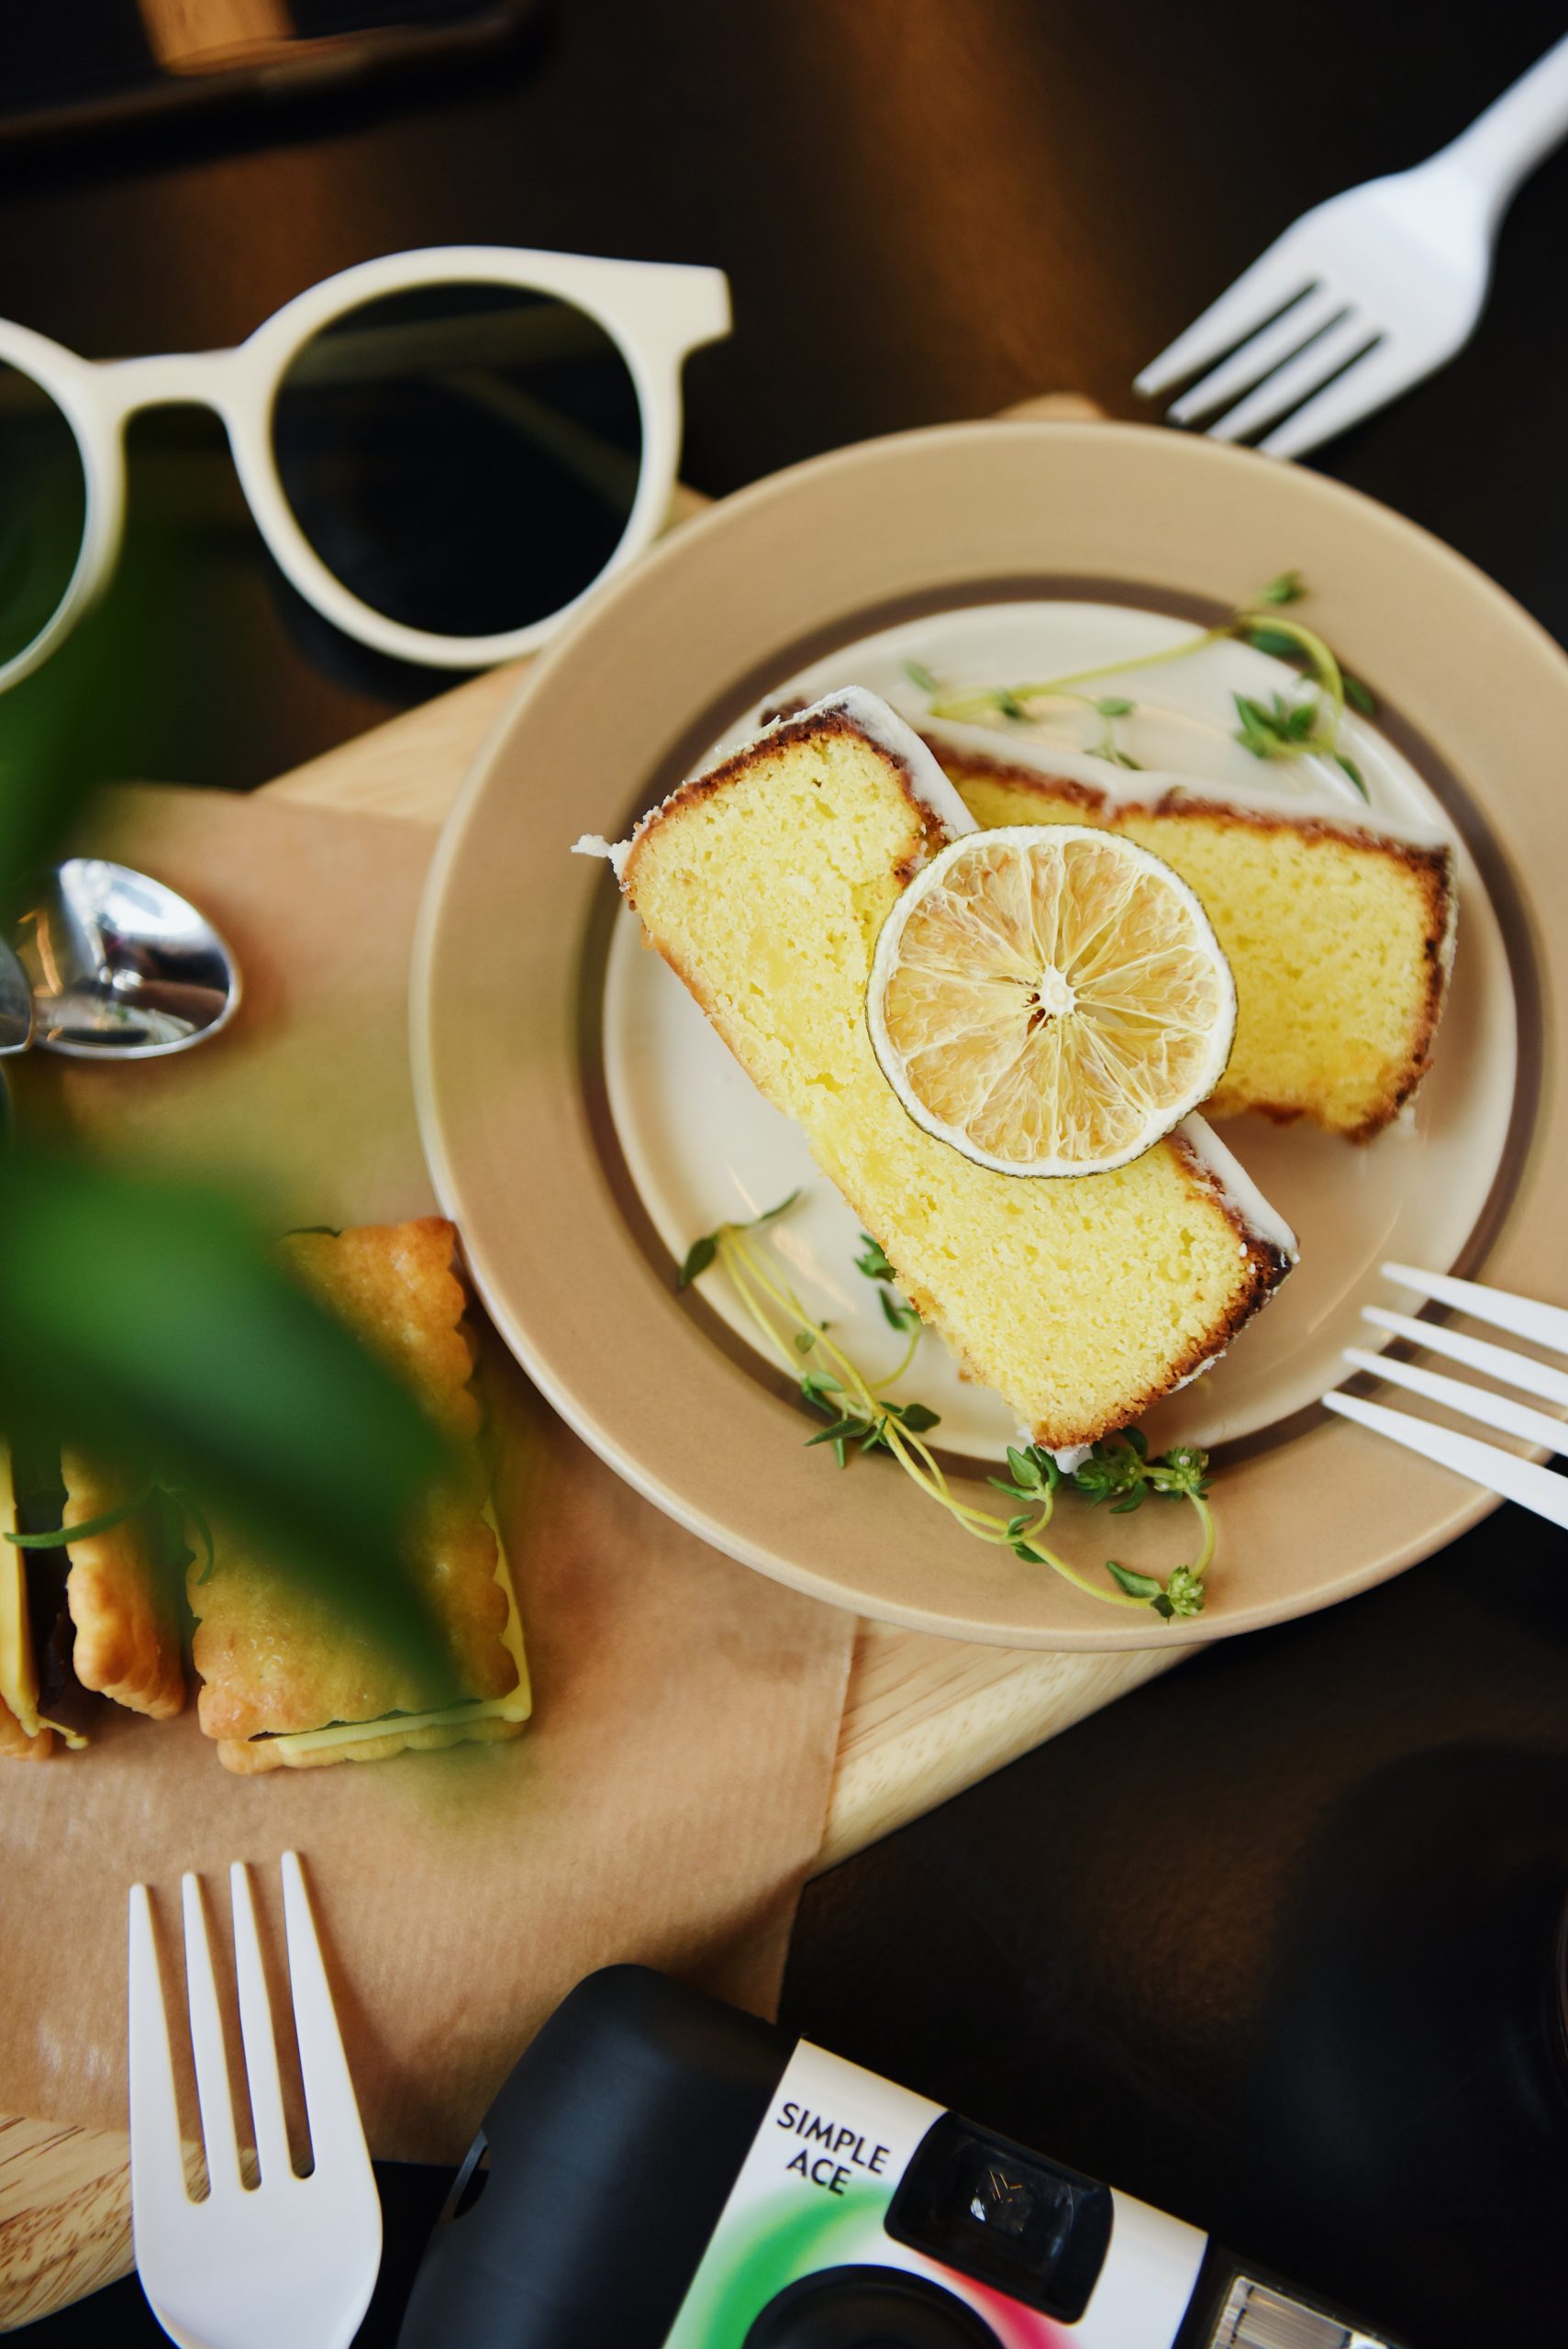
x=670, y=1793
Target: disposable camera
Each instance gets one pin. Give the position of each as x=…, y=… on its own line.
x=666, y=2173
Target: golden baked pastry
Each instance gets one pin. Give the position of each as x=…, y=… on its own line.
x=285, y=1683
x=128, y=1625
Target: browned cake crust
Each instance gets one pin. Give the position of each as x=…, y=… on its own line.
x=815, y=727
x=274, y=1658
x=128, y=1624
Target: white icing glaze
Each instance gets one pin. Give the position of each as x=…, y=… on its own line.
x=1238, y=1189
x=871, y=716
x=615, y=852
x=1125, y=787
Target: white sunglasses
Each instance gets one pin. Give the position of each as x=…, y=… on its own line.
x=445, y=450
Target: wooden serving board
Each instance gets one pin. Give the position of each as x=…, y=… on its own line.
x=924, y=1717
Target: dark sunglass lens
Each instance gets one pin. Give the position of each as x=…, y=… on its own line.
x=463, y=458
x=43, y=509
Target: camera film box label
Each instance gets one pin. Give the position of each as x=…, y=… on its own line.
x=815, y=2191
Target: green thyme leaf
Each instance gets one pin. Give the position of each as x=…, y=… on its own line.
x=1136, y=1586
x=1115, y=706
x=919, y=674
x=1273, y=640
x=902, y=1317
x=1288, y=588
x=769, y=1214
x=699, y=1256
x=846, y=1426
x=873, y=1260
x=1354, y=772
x=1358, y=695
x=1276, y=730
x=1026, y=1473
x=918, y=1420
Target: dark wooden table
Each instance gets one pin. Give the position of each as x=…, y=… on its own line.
x=1267, y=1942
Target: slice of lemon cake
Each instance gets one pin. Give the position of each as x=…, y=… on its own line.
x=1340, y=935
x=765, y=883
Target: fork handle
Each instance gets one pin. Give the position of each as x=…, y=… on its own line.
x=1518, y=130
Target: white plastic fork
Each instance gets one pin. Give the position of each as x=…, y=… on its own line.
x=1501, y=1472
x=291, y=2263
x=1366, y=294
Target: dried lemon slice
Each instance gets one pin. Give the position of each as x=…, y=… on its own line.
x=1050, y=999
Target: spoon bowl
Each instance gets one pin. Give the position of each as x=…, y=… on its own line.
x=16, y=1004
x=120, y=967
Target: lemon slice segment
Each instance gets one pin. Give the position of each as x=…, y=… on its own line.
x=1050, y=999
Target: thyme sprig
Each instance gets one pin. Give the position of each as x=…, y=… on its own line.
x=175, y=1507
x=1269, y=731
x=862, y=1413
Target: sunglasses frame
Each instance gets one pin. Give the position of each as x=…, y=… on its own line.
x=656, y=312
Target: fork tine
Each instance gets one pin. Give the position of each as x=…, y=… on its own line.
x=207, y=2047
x=1500, y=1472
x=1499, y=1411
x=1260, y=356
x=1525, y=1316
x=256, y=2031
x=157, y=2159
x=1273, y=281
x=1493, y=1361
x=1343, y=340
x=1370, y=382
x=335, y=2129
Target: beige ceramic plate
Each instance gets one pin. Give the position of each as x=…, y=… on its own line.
x=510, y=1040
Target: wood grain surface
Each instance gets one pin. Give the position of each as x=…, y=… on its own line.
x=924, y=1717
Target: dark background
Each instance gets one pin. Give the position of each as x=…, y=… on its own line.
x=1267, y=1942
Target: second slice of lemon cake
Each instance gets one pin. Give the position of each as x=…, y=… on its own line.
x=1081, y=1300
x=1340, y=931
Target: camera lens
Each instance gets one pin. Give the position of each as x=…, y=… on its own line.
x=868, y=2308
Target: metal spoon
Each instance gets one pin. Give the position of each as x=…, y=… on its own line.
x=16, y=1004
x=120, y=967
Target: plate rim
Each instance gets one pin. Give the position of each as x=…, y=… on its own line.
x=716, y=1528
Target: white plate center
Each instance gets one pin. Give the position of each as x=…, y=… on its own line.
x=703, y=1147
